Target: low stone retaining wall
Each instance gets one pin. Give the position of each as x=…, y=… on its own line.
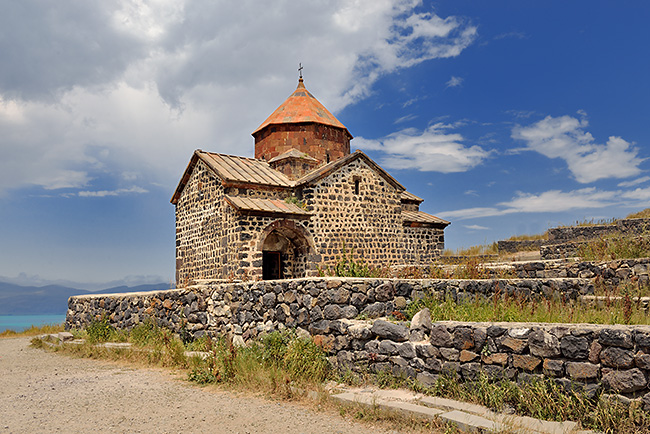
x=514, y=246
x=582, y=356
x=610, y=273
x=251, y=308
x=563, y=242
x=330, y=310
x=574, y=233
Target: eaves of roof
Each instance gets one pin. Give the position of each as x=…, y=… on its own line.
x=256, y=206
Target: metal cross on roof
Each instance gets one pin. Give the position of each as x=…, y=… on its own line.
x=300, y=69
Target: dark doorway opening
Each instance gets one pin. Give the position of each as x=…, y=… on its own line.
x=271, y=265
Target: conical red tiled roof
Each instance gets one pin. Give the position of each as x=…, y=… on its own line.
x=301, y=107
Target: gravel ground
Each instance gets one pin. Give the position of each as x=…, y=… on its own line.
x=42, y=392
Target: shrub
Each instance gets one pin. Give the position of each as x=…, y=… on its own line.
x=304, y=360
x=100, y=331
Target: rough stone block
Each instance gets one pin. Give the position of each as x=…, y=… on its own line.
x=543, y=344
x=387, y=330
x=617, y=357
x=627, y=381
x=582, y=370
x=525, y=362
x=440, y=337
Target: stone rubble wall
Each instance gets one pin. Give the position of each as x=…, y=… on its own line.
x=585, y=356
x=563, y=242
x=252, y=308
x=610, y=273
x=581, y=357
x=572, y=233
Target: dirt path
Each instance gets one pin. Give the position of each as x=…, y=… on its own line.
x=45, y=392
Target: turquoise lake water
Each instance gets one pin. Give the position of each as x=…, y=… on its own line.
x=21, y=322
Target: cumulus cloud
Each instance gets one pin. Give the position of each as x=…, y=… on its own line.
x=148, y=82
x=432, y=150
x=565, y=137
x=556, y=201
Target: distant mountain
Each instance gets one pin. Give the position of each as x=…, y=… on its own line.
x=53, y=299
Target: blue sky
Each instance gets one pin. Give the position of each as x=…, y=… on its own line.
x=507, y=117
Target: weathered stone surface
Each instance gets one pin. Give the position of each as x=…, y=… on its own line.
x=627, y=381
x=480, y=336
x=360, y=331
x=463, y=338
x=574, y=347
x=616, y=337
x=467, y=356
x=495, y=331
x=582, y=370
x=470, y=371
x=553, y=367
x=426, y=379
x=421, y=320
x=616, y=357
x=332, y=311
x=515, y=345
x=388, y=347
x=594, y=352
x=451, y=354
x=384, y=292
x=434, y=364
x=426, y=350
x=642, y=360
x=407, y=350
x=374, y=310
x=525, y=362
x=495, y=358
x=388, y=330
x=321, y=327
x=543, y=344
x=440, y=337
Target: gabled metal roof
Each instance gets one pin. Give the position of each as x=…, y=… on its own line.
x=410, y=197
x=422, y=217
x=233, y=170
x=302, y=107
x=267, y=206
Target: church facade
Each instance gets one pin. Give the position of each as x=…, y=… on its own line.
x=297, y=205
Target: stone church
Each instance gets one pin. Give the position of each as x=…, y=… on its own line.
x=296, y=205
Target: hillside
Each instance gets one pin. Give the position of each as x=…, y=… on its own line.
x=52, y=299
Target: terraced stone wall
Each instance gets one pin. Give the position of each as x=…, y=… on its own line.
x=588, y=357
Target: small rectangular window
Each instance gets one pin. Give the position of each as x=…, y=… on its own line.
x=357, y=182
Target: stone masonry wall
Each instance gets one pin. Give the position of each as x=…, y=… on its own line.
x=563, y=242
x=250, y=308
x=610, y=273
x=585, y=356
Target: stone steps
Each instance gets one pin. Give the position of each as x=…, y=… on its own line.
x=467, y=417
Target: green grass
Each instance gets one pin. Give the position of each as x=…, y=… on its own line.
x=501, y=308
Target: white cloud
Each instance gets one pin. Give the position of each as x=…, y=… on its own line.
x=430, y=150
x=634, y=182
x=101, y=105
x=118, y=192
x=564, y=137
x=556, y=201
x=476, y=227
x=455, y=81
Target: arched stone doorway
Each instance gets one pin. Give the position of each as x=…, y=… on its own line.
x=286, y=248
